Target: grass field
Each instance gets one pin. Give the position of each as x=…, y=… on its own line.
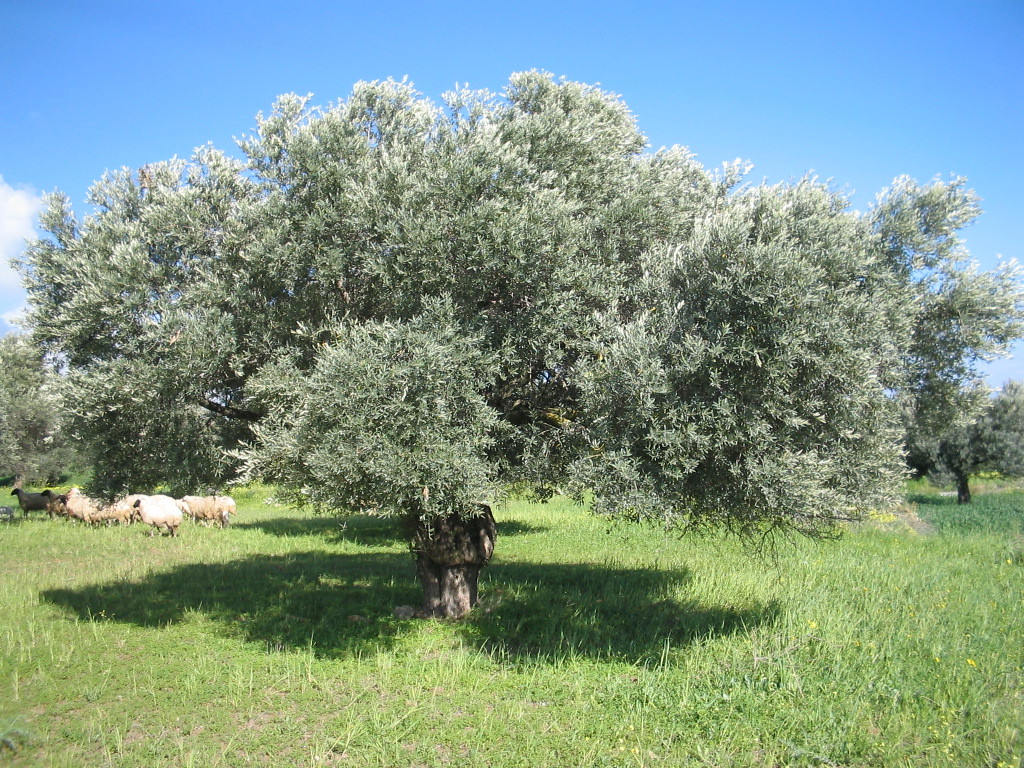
x=273, y=643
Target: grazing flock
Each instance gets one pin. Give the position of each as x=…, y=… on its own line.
x=158, y=511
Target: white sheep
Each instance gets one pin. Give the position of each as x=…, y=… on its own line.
x=81, y=507
x=158, y=511
x=120, y=511
x=207, y=509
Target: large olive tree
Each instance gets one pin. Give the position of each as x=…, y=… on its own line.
x=395, y=303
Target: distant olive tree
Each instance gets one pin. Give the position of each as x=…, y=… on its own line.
x=33, y=448
x=408, y=305
x=959, y=315
x=993, y=441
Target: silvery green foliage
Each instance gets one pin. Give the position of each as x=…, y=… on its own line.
x=958, y=315
x=132, y=301
x=388, y=418
x=390, y=295
x=993, y=440
x=33, y=444
x=1001, y=429
x=141, y=433
x=748, y=389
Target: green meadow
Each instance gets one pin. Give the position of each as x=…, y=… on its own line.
x=273, y=643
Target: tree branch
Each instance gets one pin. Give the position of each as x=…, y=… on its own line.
x=229, y=411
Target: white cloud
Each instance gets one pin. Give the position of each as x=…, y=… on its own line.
x=12, y=317
x=18, y=211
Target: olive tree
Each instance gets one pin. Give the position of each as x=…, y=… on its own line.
x=959, y=315
x=406, y=305
x=991, y=441
x=33, y=445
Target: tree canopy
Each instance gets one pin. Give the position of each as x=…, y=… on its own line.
x=959, y=315
x=992, y=440
x=406, y=304
x=32, y=446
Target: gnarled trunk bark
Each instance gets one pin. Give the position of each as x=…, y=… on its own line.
x=450, y=553
x=963, y=490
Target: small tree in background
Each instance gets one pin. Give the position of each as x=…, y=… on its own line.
x=408, y=305
x=33, y=447
x=959, y=316
x=991, y=442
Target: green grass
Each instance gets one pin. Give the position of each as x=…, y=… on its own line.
x=273, y=643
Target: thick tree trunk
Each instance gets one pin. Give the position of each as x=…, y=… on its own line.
x=450, y=552
x=963, y=490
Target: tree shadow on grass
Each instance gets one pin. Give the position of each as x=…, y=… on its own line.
x=365, y=530
x=343, y=602
x=516, y=528
x=931, y=499
x=361, y=529
x=340, y=605
x=550, y=610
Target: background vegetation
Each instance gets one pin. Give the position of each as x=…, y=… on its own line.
x=273, y=643
x=33, y=448
x=989, y=440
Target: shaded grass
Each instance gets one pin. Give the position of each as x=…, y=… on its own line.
x=997, y=513
x=332, y=605
x=273, y=643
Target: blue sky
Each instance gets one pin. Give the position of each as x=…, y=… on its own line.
x=856, y=92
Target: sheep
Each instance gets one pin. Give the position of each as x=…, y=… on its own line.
x=228, y=505
x=81, y=507
x=31, y=501
x=120, y=511
x=206, y=509
x=158, y=511
x=7, y=513
x=57, y=505
x=101, y=515
x=202, y=509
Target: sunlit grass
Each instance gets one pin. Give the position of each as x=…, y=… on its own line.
x=273, y=643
